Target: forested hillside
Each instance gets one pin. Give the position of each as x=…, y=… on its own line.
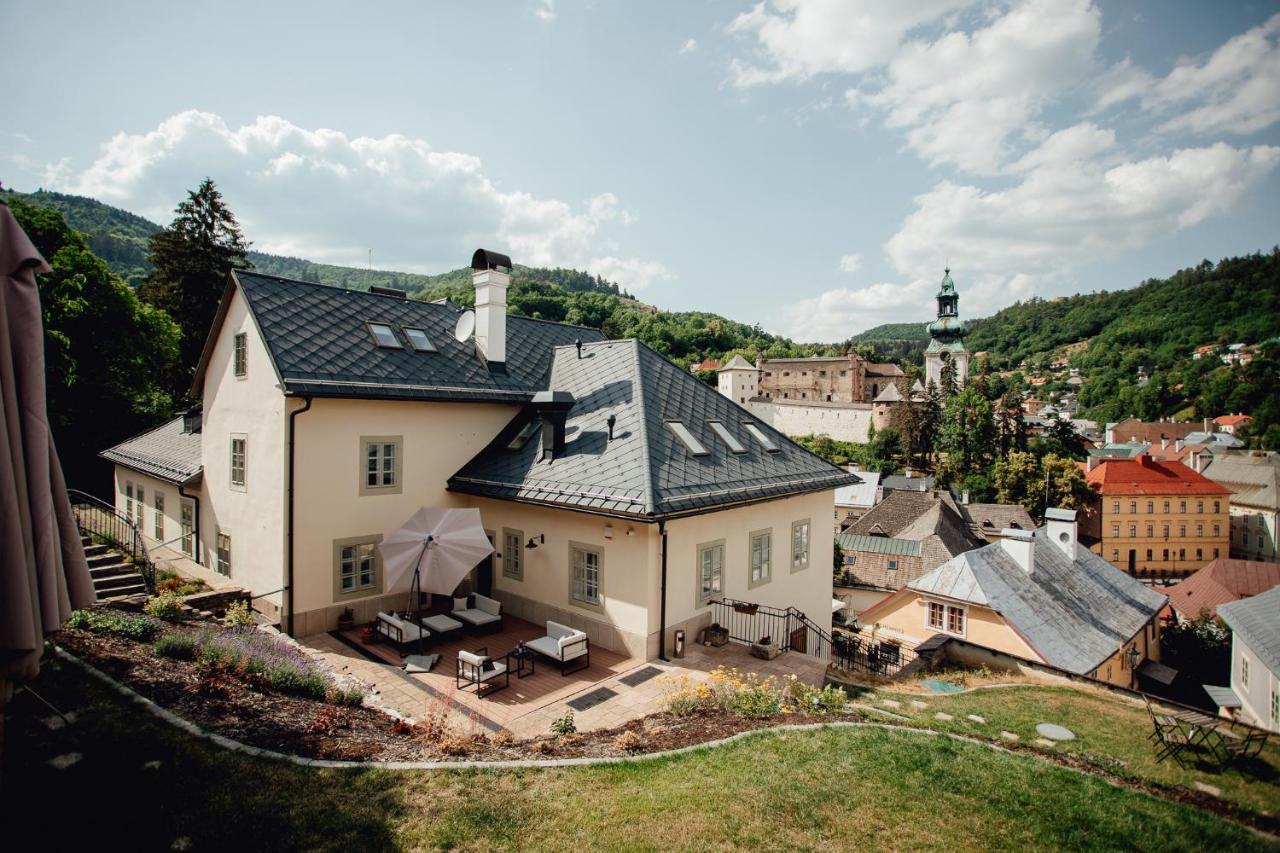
x=893, y=332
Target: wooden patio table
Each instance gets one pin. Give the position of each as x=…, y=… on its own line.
x=1207, y=731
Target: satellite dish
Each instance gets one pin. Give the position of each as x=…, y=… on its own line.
x=466, y=326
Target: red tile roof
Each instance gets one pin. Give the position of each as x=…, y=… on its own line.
x=1231, y=420
x=1151, y=431
x=1143, y=475
x=1222, y=581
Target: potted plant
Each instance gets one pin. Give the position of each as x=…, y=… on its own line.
x=717, y=636
x=347, y=620
x=765, y=648
x=745, y=607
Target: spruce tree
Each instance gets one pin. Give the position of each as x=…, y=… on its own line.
x=191, y=260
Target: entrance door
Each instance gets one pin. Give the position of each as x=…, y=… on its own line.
x=1133, y=560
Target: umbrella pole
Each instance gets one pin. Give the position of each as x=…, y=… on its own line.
x=415, y=592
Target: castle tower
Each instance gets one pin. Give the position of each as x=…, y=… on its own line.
x=739, y=380
x=946, y=338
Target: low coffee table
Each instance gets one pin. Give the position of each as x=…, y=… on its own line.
x=441, y=624
x=522, y=658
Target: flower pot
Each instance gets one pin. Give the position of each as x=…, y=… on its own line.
x=368, y=636
x=748, y=609
x=717, y=637
x=765, y=651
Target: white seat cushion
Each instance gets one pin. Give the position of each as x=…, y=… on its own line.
x=441, y=623
x=408, y=630
x=475, y=617
x=544, y=646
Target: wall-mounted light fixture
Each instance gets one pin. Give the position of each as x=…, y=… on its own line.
x=631, y=531
x=608, y=531
x=535, y=541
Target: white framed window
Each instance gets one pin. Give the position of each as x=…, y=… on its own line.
x=761, y=551
x=418, y=339
x=513, y=553
x=585, y=565
x=223, y=566
x=800, y=545
x=158, y=516
x=139, y=507
x=384, y=336
x=239, y=459
x=710, y=571
x=937, y=616
x=1115, y=506
x=1244, y=671
x=381, y=464
x=128, y=500
x=187, y=519
x=357, y=567
x=240, y=355
x=947, y=618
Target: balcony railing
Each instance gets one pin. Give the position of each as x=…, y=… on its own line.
x=100, y=521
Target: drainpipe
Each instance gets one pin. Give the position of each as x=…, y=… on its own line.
x=195, y=532
x=288, y=587
x=662, y=602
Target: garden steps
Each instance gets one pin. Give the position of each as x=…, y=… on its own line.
x=113, y=576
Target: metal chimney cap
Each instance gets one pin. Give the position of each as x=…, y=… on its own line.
x=484, y=259
x=1060, y=514
x=552, y=398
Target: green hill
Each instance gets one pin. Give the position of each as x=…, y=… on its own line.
x=893, y=332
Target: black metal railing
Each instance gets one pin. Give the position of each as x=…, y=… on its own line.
x=860, y=654
x=100, y=521
x=789, y=629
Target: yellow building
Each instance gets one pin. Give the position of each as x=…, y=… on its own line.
x=1154, y=517
x=1037, y=595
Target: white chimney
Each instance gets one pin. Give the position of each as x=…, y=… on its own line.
x=1177, y=445
x=964, y=497
x=1021, y=545
x=491, y=274
x=1060, y=525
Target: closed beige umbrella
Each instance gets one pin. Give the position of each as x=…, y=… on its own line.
x=43, y=573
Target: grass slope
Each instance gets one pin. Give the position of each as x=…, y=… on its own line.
x=150, y=786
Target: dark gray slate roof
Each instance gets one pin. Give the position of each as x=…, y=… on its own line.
x=1256, y=621
x=320, y=345
x=897, y=482
x=165, y=452
x=1074, y=613
x=644, y=471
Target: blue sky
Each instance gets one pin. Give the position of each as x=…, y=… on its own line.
x=809, y=165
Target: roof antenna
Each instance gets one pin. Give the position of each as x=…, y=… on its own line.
x=371, y=260
x=578, y=343
x=611, y=420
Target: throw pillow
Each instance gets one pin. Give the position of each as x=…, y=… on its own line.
x=487, y=666
x=460, y=604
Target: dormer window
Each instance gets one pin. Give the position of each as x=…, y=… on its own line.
x=384, y=336
x=688, y=439
x=522, y=437
x=753, y=430
x=418, y=339
x=729, y=439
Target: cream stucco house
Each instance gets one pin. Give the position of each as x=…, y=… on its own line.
x=622, y=495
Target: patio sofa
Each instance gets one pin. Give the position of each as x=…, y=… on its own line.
x=477, y=668
x=400, y=631
x=479, y=611
x=565, y=646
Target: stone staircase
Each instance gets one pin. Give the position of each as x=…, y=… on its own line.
x=113, y=575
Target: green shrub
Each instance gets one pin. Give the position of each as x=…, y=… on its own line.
x=564, y=725
x=756, y=701
x=832, y=700
x=219, y=655
x=238, y=614
x=288, y=678
x=164, y=606
x=127, y=625
x=351, y=697
x=180, y=646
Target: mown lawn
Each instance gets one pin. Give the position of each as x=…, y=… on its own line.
x=143, y=785
x=1105, y=728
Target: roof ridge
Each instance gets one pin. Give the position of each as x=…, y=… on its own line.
x=332, y=286
x=650, y=486
x=148, y=431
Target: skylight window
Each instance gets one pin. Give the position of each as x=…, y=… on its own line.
x=522, y=437
x=418, y=339
x=730, y=440
x=688, y=439
x=755, y=432
x=384, y=336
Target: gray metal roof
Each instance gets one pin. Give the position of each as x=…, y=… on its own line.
x=1254, y=479
x=644, y=471
x=879, y=545
x=320, y=345
x=165, y=452
x=897, y=482
x=1256, y=621
x=1074, y=613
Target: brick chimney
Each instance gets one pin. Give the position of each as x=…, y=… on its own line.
x=491, y=275
x=1021, y=545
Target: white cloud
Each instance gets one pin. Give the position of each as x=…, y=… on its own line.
x=850, y=263
x=844, y=311
x=322, y=195
x=546, y=10
x=797, y=39
x=1076, y=202
x=689, y=46
x=1119, y=83
x=630, y=273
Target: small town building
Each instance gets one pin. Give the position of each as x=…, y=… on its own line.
x=946, y=350
x=1230, y=424
x=1033, y=594
x=1254, y=481
x=1254, y=694
x=1221, y=582
x=847, y=378
x=739, y=380
x=853, y=502
x=1149, y=516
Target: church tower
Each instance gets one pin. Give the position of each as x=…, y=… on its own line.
x=946, y=338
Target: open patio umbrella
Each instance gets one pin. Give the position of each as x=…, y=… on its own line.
x=433, y=551
x=43, y=573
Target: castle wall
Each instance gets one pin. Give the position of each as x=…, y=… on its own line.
x=844, y=422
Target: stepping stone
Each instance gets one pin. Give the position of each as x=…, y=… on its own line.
x=1208, y=789
x=943, y=717
x=1045, y=742
x=151, y=765
x=1009, y=736
x=1055, y=732
x=891, y=703
x=977, y=719
x=62, y=762
x=918, y=705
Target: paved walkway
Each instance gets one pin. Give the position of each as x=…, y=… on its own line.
x=614, y=691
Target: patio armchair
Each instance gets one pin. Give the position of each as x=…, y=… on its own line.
x=400, y=631
x=1243, y=748
x=1171, y=737
x=479, y=611
x=478, y=669
x=565, y=646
